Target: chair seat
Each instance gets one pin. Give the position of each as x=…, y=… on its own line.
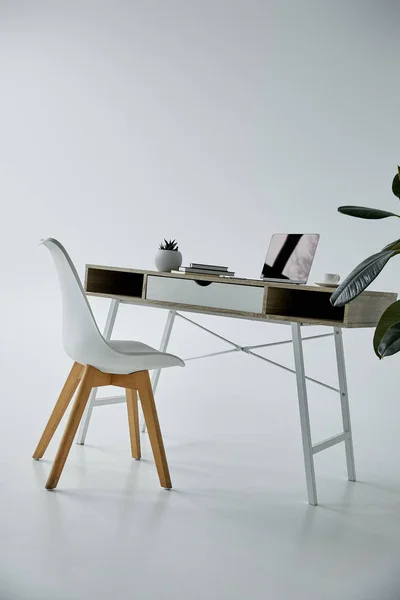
x=130, y=347
x=125, y=356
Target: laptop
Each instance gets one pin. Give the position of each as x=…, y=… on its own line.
x=290, y=257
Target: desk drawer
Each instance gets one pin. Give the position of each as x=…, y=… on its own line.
x=243, y=298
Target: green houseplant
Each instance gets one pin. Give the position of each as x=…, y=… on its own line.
x=168, y=257
x=387, y=332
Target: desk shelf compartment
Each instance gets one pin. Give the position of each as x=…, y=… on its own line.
x=302, y=304
x=114, y=282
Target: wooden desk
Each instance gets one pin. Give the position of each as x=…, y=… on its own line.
x=294, y=305
x=243, y=298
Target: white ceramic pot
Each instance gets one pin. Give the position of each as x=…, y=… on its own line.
x=168, y=260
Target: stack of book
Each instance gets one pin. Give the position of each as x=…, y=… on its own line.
x=208, y=270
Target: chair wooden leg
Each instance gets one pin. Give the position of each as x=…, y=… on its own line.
x=72, y=426
x=153, y=428
x=133, y=418
x=58, y=411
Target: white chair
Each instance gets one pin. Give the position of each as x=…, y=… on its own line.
x=97, y=363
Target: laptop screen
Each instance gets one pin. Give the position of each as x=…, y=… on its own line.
x=290, y=256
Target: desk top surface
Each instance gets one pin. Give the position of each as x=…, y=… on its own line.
x=231, y=280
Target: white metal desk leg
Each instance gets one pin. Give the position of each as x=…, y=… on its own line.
x=344, y=399
x=304, y=413
x=163, y=347
x=108, y=329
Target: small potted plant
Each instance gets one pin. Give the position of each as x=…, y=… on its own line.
x=168, y=257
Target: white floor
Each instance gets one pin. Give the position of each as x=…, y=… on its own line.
x=236, y=524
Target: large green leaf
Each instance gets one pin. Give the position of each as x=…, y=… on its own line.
x=390, y=317
x=363, y=212
x=360, y=278
x=390, y=343
x=396, y=184
x=392, y=246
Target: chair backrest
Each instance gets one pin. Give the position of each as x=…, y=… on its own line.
x=81, y=336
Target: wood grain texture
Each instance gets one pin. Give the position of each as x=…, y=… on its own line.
x=133, y=420
x=58, y=412
x=101, y=379
x=144, y=288
x=130, y=381
x=75, y=416
x=366, y=311
x=265, y=300
x=227, y=280
x=153, y=428
x=282, y=302
x=89, y=378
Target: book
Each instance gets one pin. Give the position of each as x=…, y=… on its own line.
x=209, y=267
x=206, y=271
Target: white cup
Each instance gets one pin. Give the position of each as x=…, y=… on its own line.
x=330, y=278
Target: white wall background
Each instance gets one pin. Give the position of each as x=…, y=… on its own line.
x=216, y=122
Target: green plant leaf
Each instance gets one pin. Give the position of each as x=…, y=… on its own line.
x=390, y=343
x=390, y=317
x=361, y=277
x=363, y=212
x=392, y=246
x=396, y=184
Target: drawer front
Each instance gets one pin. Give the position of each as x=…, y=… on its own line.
x=243, y=298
